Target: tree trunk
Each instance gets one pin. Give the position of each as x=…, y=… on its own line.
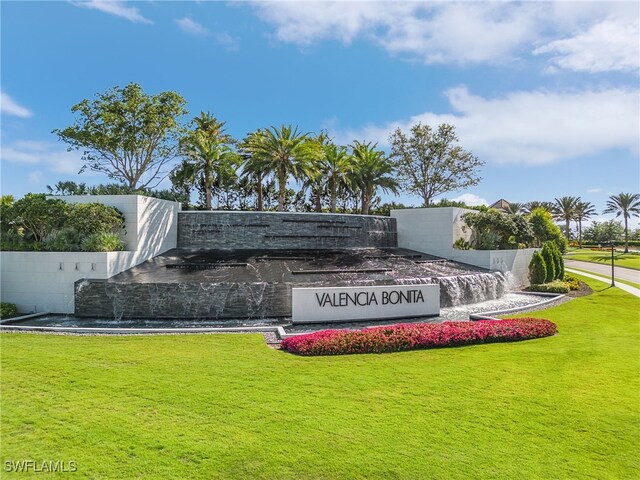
x=580, y=233
x=260, y=205
x=319, y=198
x=207, y=197
x=567, y=229
x=626, y=235
x=365, y=204
x=333, y=196
x=282, y=184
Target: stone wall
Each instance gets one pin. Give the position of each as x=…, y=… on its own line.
x=254, y=230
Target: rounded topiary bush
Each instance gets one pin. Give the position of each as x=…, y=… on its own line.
x=537, y=269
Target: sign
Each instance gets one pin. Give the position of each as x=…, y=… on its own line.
x=340, y=304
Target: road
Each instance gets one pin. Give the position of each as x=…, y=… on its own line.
x=604, y=270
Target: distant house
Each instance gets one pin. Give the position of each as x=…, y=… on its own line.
x=501, y=205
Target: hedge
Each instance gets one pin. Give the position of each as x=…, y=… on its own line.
x=8, y=310
x=411, y=336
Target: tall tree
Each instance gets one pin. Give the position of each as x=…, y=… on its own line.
x=253, y=166
x=372, y=170
x=627, y=205
x=337, y=165
x=126, y=134
x=529, y=207
x=583, y=211
x=285, y=152
x=209, y=151
x=564, y=209
x=430, y=162
x=516, y=208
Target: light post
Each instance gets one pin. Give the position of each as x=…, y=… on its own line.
x=613, y=282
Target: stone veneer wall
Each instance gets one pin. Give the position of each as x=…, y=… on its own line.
x=249, y=230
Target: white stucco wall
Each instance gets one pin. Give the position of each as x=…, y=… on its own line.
x=44, y=281
x=434, y=231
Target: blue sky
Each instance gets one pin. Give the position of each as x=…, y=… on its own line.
x=547, y=94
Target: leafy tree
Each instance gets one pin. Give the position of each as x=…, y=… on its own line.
x=626, y=205
x=537, y=269
x=68, y=188
x=549, y=261
x=603, y=232
x=583, y=211
x=372, y=170
x=493, y=229
x=564, y=209
x=284, y=152
x=209, y=152
x=431, y=163
x=544, y=229
x=90, y=218
x=39, y=216
x=126, y=134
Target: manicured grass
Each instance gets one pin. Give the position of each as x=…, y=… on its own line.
x=627, y=260
x=227, y=406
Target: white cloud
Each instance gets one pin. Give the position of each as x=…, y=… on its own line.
x=115, y=7
x=8, y=106
x=471, y=199
x=584, y=36
x=44, y=154
x=610, y=45
x=594, y=190
x=228, y=41
x=192, y=27
x=431, y=32
x=531, y=128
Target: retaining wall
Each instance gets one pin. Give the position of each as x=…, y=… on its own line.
x=249, y=230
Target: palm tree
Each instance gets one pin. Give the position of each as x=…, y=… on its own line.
x=208, y=150
x=253, y=165
x=564, y=209
x=316, y=177
x=582, y=211
x=372, y=170
x=627, y=205
x=516, y=208
x=285, y=152
x=337, y=164
x=531, y=206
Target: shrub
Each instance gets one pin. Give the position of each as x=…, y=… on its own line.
x=558, y=260
x=8, y=310
x=493, y=229
x=461, y=244
x=102, y=242
x=63, y=240
x=537, y=269
x=544, y=229
x=90, y=218
x=39, y=216
x=549, y=261
x=409, y=336
x=557, y=286
x=572, y=282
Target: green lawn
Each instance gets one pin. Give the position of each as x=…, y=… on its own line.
x=227, y=406
x=627, y=260
x=605, y=279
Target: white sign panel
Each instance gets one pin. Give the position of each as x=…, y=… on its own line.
x=339, y=304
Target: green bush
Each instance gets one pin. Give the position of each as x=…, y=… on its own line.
x=495, y=230
x=559, y=261
x=537, y=269
x=461, y=244
x=549, y=261
x=572, y=282
x=556, y=286
x=102, y=242
x=38, y=216
x=545, y=230
x=63, y=240
x=8, y=310
x=90, y=218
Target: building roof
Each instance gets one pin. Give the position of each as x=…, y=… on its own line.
x=501, y=204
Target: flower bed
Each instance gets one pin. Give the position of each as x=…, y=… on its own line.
x=411, y=336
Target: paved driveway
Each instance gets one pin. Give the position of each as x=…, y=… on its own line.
x=605, y=270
